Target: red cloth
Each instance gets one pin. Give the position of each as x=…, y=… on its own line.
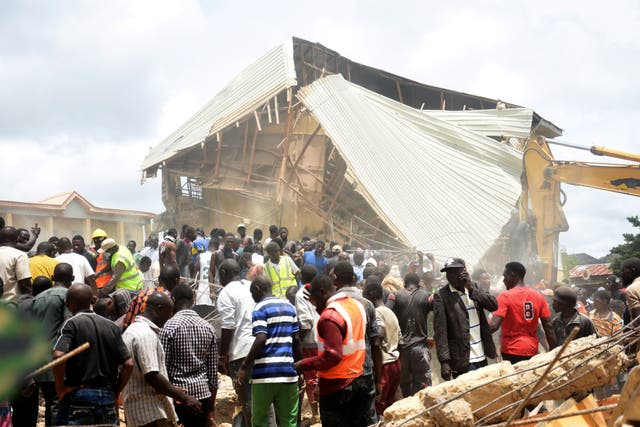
x=139, y=304
x=520, y=308
x=332, y=328
x=581, y=309
x=390, y=383
x=310, y=377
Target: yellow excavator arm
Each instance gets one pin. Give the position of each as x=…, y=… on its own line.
x=540, y=202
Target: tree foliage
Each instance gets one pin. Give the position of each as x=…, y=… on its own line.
x=630, y=247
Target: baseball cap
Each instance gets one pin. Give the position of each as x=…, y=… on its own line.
x=336, y=248
x=240, y=226
x=453, y=263
x=106, y=245
x=613, y=279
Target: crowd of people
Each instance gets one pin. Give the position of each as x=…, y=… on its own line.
x=349, y=329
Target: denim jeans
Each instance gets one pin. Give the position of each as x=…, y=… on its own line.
x=87, y=406
x=415, y=371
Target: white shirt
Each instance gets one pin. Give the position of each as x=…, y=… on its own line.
x=149, y=278
x=307, y=317
x=235, y=305
x=81, y=267
x=205, y=265
x=203, y=294
x=476, y=353
x=142, y=405
x=257, y=259
x=148, y=251
x=14, y=266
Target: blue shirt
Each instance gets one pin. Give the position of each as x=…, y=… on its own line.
x=200, y=245
x=320, y=261
x=277, y=319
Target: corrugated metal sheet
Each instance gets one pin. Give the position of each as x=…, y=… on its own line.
x=249, y=90
x=512, y=122
x=593, y=270
x=441, y=187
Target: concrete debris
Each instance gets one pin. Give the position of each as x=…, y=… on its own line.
x=454, y=414
x=628, y=410
x=592, y=362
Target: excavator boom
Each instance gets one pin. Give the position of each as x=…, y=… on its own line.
x=540, y=201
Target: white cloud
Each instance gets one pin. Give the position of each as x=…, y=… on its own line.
x=89, y=86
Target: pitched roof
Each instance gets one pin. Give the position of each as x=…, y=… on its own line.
x=59, y=202
x=255, y=85
x=261, y=81
x=591, y=270
x=440, y=186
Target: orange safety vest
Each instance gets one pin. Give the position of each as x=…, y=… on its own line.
x=101, y=265
x=353, y=344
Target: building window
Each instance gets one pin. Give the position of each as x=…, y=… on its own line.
x=190, y=187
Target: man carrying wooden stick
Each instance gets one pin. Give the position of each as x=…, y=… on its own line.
x=89, y=386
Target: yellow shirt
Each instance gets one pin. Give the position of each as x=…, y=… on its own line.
x=42, y=265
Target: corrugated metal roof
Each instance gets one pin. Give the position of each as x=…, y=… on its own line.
x=593, y=270
x=511, y=122
x=440, y=187
x=257, y=84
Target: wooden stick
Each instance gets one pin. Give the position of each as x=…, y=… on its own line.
x=285, y=153
x=399, y=92
x=60, y=359
x=218, y=155
x=335, y=196
x=252, y=155
x=304, y=149
x=244, y=145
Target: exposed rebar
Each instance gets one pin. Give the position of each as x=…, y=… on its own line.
x=550, y=366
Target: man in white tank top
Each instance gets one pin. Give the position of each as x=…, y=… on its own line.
x=203, y=293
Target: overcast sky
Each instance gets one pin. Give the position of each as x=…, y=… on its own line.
x=88, y=86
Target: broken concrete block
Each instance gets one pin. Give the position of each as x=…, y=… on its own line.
x=592, y=362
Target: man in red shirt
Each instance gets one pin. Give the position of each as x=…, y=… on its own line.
x=344, y=392
x=519, y=309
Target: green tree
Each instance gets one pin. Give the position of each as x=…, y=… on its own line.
x=568, y=262
x=630, y=247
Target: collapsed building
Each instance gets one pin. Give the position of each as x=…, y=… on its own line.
x=331, y=148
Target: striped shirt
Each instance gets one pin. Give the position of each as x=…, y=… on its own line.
x=607, y=325
x=476, y=350
x=142, y=404
x=277, y=319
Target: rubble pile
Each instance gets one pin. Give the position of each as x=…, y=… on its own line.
x=592, y=362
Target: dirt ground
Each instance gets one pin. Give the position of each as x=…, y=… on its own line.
x=226, y=406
